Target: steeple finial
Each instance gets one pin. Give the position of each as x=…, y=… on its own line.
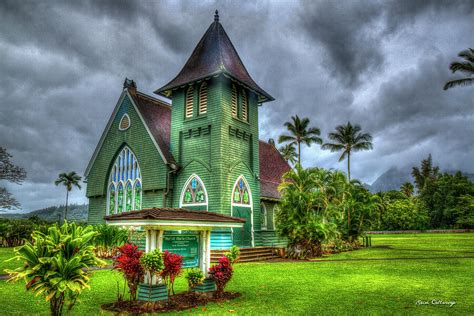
x=216, y=16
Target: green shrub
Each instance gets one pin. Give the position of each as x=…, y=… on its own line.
x=195, y=277
x=56, y=264
x=108, y=240
x=233, y=254
x=152, y=262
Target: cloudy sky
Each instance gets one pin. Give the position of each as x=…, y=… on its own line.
x=381, y=64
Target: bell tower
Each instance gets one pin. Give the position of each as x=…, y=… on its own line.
x=214, y=129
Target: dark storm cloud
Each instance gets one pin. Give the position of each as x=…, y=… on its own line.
x=380, y=63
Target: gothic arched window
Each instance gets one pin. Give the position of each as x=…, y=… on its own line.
x=234, y=101
x=241, y=194
x=194, y=192
x=203, y=99
x=189, y=102
x=125, y=184
x=245, y=106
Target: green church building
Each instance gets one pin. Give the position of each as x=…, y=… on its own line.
x=200, y=151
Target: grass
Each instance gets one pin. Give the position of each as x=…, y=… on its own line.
x=299, y=288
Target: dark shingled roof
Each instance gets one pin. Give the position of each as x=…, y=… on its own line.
x=272, y=167
x=174, y=214
x=157, y=116
x=214, y=54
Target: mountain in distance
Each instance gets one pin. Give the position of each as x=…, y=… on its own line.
x=75, y=212
x=394, y=178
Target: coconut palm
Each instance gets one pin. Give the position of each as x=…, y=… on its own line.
x=466, y=67
x=300, y=133
x=69, y=180
x=288, y=153
x=348, y=139
x=407, y=188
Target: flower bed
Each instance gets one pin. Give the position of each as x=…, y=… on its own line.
x=178, y=302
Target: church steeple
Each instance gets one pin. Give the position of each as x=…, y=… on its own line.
x=214, y=54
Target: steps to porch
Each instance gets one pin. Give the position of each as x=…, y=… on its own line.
x=250, y=254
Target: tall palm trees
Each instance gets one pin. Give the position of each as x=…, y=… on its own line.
x=288, y=153
x=69, y=180
x=348, y=138
x=300, y=133
x=466, y=67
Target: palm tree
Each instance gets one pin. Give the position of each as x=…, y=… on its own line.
x=288, y=153
x=347, y=139
x=69, y=180
x=407, y=188
x=300, y=133
x=466, y=67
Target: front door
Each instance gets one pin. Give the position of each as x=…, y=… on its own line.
x=242, y=237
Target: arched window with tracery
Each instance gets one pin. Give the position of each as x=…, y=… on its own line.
x=194, y=194
x=241, y=193
x=125, y=184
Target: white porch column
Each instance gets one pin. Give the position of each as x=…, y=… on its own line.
x=160, y=239
x=147, y=239
x=153, y=240
x=208, y=254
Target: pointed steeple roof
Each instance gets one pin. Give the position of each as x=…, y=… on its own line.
x=213, y=55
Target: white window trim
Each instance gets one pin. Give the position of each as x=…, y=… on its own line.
x=129, y=122
x=243, y=205
x=184, y=189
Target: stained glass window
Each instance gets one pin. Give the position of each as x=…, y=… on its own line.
x=120, y=198
x=263, y=216
x=125, y=186
x=112, y=199
x=241, y=193
x=129, y=197
x=138, y=195
x=194, y=192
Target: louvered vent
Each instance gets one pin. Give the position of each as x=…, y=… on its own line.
x=124, y=122
x=234, y=101
x=189, y=102
x=244, y=106
x=203, y=99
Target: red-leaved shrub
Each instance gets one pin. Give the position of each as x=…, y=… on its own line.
x=173, y=263
x=221, y=274
x=128, y=262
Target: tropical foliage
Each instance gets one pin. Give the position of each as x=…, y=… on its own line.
x=288, y=152
x=108, y=239
x=15, y=232
x=300, y=133
x=128, y=263
x=173, y=266
x=221, y=274
x=69, y=180
x=233, y=254
x=466, y=67
x=152, y=263
x=56, y=264
x=194, y=277
x=348, y=139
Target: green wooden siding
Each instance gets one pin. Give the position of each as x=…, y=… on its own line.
x=152, y=167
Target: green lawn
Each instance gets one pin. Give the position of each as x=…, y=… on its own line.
x=299, y=288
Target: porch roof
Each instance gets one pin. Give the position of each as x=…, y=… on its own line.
x=174, y=219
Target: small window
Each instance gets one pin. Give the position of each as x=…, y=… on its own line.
x=203, y=99
x=124, y=122
x=263, y=217
x=234, y=101
x=244, y=106
x=189, y=102
x=241, y=193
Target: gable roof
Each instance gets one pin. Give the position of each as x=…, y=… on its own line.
x=272, y=167
x=214, y=54
x=157, y=116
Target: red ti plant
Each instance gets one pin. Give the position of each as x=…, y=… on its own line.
x=221, y=274
x=173, y=264
x=128, y=262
